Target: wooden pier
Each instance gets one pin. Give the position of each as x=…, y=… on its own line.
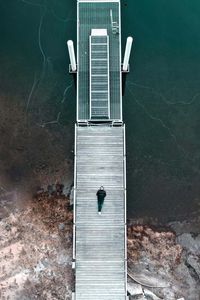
x=99, y=249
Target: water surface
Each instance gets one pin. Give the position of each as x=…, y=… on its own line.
x=161, y=104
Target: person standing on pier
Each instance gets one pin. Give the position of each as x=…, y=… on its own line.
x=101, y=194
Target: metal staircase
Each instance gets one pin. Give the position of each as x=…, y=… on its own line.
x=99, y=74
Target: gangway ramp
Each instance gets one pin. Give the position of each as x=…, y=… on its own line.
x=100, y=240
x=99, y=74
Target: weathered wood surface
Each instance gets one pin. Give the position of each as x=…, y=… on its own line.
x=100, y=239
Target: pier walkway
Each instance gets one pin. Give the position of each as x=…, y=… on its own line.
x=100, y=239
x=99, y=249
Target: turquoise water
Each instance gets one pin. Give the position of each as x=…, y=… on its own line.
x=161, y=107
x=161, y=103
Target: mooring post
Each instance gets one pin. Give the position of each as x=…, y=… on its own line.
x=73, y=65
x=125, y=65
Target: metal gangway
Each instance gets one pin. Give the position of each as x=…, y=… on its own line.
x=99, y=241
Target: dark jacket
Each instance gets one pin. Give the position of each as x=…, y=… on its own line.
x=101, y=194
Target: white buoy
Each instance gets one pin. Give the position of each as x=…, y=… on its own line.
x=129, y=42
x=71, y=55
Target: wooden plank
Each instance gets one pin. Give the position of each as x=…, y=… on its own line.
x=100, y=239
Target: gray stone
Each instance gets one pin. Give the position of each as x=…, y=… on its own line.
x=190, y=243
x=61, y=226
x=194, y=262
x=134, y=289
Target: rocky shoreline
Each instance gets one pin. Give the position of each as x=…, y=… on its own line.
x=36, y=254
x=163, y=263
x=36, y=250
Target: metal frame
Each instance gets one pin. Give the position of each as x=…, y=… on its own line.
x=120, y=50
x=90, y=1
x=108, y=58
x=74, y=205
x=120, y=56
x=90, y=82
x=77, y=55
x=125, y=207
